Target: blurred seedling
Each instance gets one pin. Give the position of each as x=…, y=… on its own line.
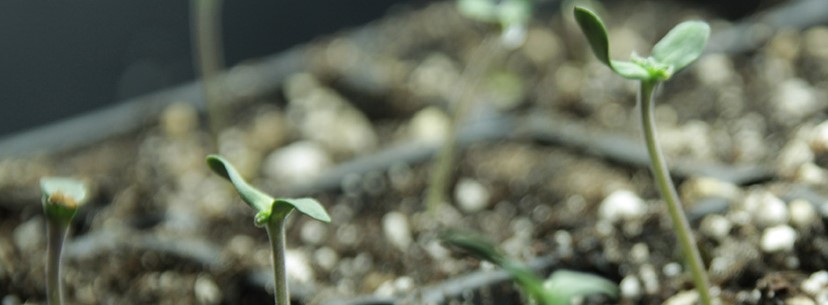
x=513, y=17
x=558, y=289
x=61, y=198
x=271, y=214
x=205, y=30
x=679, y=48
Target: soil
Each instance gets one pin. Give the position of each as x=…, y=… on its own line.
x=551, y=166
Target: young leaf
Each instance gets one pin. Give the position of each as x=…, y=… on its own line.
x=265, y=205
x=307, y=206
x=474, y=245
x=558, y=289
x=629, y=70
x=514, y=12
x=569, y=284
x=595, y=32
x=252, y=196
x=482, y=249
x=482, y=10
x=682, y=45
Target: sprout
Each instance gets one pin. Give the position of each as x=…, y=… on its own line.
x=271, y=214
x=512, y=15
x=558, y=289
x=61, y=198
x=680, y=47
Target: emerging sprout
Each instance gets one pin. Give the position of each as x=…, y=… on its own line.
x=680, y=47
x=271, y=214
x=61, y=198
x=558, y=289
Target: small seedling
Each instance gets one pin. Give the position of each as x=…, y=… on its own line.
x=558, y=289
x=680, y=47
x=61, y=198
x=271, y=214
x=513, y=17
x=208, y=52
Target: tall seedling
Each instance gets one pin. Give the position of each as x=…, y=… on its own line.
x=513, y=18
x=680, y=47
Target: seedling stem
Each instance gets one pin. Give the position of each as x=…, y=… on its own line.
x=56, y=232
x=441, y=171
x=276, y=234
x=679, y=48
x=661, y=175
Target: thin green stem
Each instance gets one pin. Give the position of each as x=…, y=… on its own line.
x=206, y=31
x=276, y=234
x=661, y=174
x=56, y=234
x=462, y=98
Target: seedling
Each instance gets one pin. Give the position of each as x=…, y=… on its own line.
x=558, y=289
x=680, y=47
x=271, y=214
x=513, y=17
x=61, y=198
x=205, y=31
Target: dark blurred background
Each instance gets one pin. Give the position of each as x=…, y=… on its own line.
x=59, y=58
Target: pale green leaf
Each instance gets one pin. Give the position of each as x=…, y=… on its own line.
x=481, y=10
x=307, y=206
x=682, y=45
x=265, y=205
x=483, y=249
x=514, y=12
x=252, y=196
x=630, y=70
x=568, y=284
